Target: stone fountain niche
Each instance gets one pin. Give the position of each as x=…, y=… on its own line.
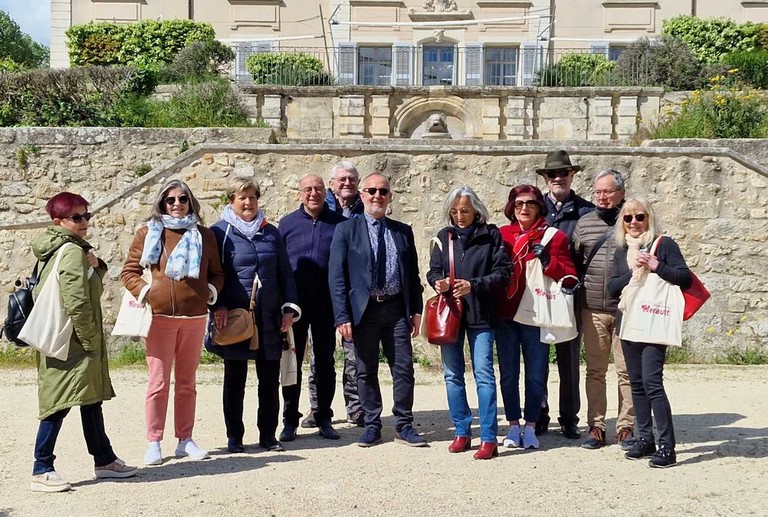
x=444, y=118
x=438, y=125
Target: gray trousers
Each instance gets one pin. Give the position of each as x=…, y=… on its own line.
x=348, y=379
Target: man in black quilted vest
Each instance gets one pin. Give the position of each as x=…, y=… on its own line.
x=594, y=242
x=564, y=209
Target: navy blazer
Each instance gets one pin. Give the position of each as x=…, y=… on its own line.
x=349, y=275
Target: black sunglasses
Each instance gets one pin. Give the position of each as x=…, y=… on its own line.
x=561, y=173
x=528, y=203
x=78, y=218
x=170, y=200
x=371, y=191
x=638, y=217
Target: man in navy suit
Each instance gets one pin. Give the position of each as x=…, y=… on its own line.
x=376, y=294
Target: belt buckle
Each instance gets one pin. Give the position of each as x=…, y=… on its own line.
x=381, y=297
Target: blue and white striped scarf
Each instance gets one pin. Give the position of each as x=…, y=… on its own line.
x=186, y=257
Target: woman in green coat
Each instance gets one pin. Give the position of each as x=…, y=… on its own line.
x=83, y=378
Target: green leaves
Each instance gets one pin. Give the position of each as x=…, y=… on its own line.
x=18, y=47
x=711, y=38
x=287, y=68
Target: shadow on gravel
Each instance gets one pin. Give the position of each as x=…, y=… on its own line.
x=217, y=465
x=735, y=442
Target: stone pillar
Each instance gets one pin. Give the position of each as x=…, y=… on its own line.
x=601, y=119
x=519, y=118
x=491, y=116
x=61, y=20
x=272, y=111
x=380, y=116
x=626, y=115
x=352, y=116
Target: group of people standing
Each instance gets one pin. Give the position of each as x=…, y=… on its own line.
x=192, y=276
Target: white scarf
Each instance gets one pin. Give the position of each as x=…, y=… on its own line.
x=248, y=228
x=638, y=273
x=186, y=257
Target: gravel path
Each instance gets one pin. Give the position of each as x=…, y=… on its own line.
x=720, y=414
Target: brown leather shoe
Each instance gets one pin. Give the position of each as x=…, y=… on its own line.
x=460, y=444
x=487, y=451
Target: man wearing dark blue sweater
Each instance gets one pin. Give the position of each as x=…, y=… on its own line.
x=308, y=233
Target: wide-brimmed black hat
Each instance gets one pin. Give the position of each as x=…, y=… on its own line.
x=558, y=160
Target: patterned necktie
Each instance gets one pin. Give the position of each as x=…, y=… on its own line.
x=381, y=259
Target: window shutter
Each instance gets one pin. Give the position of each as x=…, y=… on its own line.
x=243, y=49
x=599, y=48
x=473, y=64
x=529, y=62
x=402, y=64
x=346, y=65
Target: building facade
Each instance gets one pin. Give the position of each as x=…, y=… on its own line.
x=412, y=42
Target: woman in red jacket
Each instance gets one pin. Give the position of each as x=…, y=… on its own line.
x=522, y=241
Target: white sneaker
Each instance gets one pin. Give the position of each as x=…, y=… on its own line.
x=189, y=448
x=49, y=482
x=513, y=437
x=153, y=456
x=529, y=438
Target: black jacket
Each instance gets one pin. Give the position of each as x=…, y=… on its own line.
x=484, y=263
x=572, y=209
x=672, y=268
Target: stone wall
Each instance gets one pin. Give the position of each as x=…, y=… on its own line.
x=712, y=201
x=486, y=113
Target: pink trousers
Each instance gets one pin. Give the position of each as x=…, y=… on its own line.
x=180, y=340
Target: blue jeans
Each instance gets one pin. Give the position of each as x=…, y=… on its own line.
x=511, y=337
x=481, y=349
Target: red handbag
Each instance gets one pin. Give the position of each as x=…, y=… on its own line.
x=443, y=312
x=694, y=296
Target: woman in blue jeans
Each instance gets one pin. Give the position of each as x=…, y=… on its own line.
x=522, y=240
x=481, y=269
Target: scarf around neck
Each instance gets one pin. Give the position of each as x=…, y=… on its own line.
x=248, y=228
x=185, y=259
x=633, y=249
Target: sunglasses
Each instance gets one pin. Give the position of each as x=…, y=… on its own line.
x=78, y=218
x=562, y=173
x=531, y=203
x=637, y=217
x=170, y=200
x=371, y=191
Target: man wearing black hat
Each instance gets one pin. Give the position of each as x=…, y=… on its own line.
x=564, y=208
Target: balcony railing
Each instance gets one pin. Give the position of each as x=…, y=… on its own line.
x=448, y=65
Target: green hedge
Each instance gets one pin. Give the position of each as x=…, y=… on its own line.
x=712, y=38
x=578, y=69
x=148, y=43
x=287, y=68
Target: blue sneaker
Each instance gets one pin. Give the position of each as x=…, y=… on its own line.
x=370, y=437
x=408, y=436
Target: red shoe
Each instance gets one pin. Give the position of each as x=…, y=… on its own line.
x=460, y=444
x=487, y=451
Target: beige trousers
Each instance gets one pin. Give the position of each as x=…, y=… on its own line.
x=599, y=340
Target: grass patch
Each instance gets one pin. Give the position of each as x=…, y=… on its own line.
x=679, y=355
x=131, y=354
x=750, y=355
x=12, y=356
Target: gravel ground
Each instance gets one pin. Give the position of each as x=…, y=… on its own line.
x=720, y=415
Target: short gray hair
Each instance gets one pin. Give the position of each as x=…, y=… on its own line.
x=616, y=175
x=159, y=208
x=344, y=165
x=242, y=184
x=467, y=192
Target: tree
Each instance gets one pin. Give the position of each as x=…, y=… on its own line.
x=19, y=47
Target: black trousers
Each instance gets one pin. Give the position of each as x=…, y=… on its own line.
x=567, y=355
x=323, y=345
x=645, y=365
x=235, y=375
x=96, y=438
x=385, y=323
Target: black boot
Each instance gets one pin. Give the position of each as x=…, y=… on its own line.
x=642, y=448
x=664, y=457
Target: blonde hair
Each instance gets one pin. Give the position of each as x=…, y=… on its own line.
x=637, y=205
x=241, y=184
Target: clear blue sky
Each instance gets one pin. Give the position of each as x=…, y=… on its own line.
x=33, y=16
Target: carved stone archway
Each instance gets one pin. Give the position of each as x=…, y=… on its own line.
x=413, y=112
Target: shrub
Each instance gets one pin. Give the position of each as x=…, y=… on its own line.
x=578, y=70
x=148, y=42
x=289, y=68
x=712, y=38
x=749, y=67
x=198, y=61
x=8, y=65
x=669, y=63
x=203, y=104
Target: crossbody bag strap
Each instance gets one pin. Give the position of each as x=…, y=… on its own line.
x=595, y=249
x=450, y=260
x=254, y=290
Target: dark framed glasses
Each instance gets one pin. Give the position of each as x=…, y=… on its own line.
x=529, y=203
x=560, y=173
x=371, y=191
x=637, y=217
x=78, y=218
x=170, y=200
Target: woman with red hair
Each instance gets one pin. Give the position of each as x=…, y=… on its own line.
x=522, y=240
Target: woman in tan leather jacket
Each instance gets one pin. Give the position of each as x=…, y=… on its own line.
x=186, y=273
